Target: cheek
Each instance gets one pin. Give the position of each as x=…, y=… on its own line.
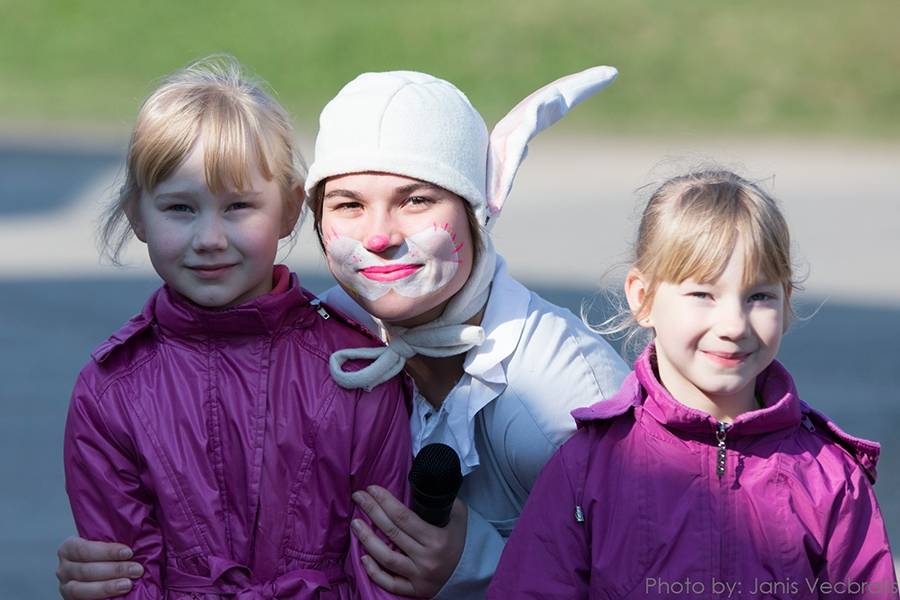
x=257, y=238
x=770, y=327
x=334, y=229
x=166, y=240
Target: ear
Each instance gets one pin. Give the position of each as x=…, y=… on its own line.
x=134, y=219
x=636, y=292
x=292, y=210
x=510, y=137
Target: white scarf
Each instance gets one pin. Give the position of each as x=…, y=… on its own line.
x=448, y=335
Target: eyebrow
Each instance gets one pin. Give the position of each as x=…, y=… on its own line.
x=191, y=194
x=402, y=190
x=176, y=195
x=420, y=185
x=342, y=194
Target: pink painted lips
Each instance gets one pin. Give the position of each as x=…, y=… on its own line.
x=210, y=271
x=727, y=359
x=390, y=272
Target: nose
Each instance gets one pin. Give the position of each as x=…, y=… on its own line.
x=382, y=232
x=732, y=321
x=377, y=243
x=209, y=235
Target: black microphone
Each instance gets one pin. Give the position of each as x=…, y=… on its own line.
x=435, y=479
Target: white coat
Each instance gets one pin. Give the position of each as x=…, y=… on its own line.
x=538, y=362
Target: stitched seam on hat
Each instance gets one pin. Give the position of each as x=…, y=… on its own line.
x=385, y=109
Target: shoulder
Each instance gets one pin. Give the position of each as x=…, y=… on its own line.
x=557, y=365
x=837, y=454
x=560, y=365
x=332, y=328
x=128, y=349
x=339, y=301
x=570, y=356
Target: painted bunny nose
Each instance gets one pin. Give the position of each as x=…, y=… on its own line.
x=377, y=243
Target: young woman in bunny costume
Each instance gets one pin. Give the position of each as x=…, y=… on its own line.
x=405, y=188
x=401, y=159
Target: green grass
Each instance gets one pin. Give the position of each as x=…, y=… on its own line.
x=800, y=67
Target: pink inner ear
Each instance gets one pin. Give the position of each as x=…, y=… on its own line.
x=536, y=112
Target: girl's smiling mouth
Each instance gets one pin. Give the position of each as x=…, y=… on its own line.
x=210, y=271
x=390, y=272
x=726, y=359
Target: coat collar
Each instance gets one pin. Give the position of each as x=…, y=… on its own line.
x=176, y=315
x=782, y=407
x=503, y=322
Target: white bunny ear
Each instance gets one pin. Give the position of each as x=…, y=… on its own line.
x=509, y=139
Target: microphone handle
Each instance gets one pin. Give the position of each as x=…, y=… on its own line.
x=432, y=509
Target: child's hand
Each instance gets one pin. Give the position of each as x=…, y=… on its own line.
x=428, y=554
x=91, y=570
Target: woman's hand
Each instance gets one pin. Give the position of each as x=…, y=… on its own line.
x=91, y=570
x=428, y=555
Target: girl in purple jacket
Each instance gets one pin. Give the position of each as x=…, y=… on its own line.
x=207, y=434
x=706, y=476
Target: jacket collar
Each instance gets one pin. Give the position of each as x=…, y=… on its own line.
x=176, y=315
x=782, y=407
x=503, y=322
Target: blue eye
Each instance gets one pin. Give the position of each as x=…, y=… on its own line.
x=761, y=297
x=180, y=208
x=238, y=205
x=419, y=200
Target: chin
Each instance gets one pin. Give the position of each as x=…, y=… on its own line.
x=393, y=308
x=393, y=313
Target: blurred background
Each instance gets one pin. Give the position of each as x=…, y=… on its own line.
x=802, y=96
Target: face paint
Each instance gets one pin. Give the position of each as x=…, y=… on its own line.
x=423, y=264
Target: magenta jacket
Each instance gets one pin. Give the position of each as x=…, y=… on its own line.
x=216, y=444
x=633, y=505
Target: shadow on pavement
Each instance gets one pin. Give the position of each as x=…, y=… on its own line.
x=844, y=359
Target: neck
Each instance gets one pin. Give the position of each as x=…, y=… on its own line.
x=436, y=377
x=722, y=407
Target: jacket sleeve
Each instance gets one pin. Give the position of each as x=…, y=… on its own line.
x=478, y=561
x=109, y=502
x=857, y=552
x=382, y=455
x=547, y=555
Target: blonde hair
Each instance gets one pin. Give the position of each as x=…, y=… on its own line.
x=689, y=229
x=243, y=126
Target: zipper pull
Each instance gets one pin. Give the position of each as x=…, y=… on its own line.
x=319, y=308
x=579, y=514
x=807, y=423
x=721, y=458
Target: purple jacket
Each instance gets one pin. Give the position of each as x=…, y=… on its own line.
x=632, y=505
x=216, y=444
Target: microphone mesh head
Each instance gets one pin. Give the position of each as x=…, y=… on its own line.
x=436, y=470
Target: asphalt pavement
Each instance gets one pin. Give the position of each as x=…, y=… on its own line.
x=567, y=224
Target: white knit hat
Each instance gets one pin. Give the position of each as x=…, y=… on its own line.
x=405, y=123
x=419, y=126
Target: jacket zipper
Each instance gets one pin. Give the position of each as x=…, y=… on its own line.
x=721, y=466
x=319, y=308
x=722, y=457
